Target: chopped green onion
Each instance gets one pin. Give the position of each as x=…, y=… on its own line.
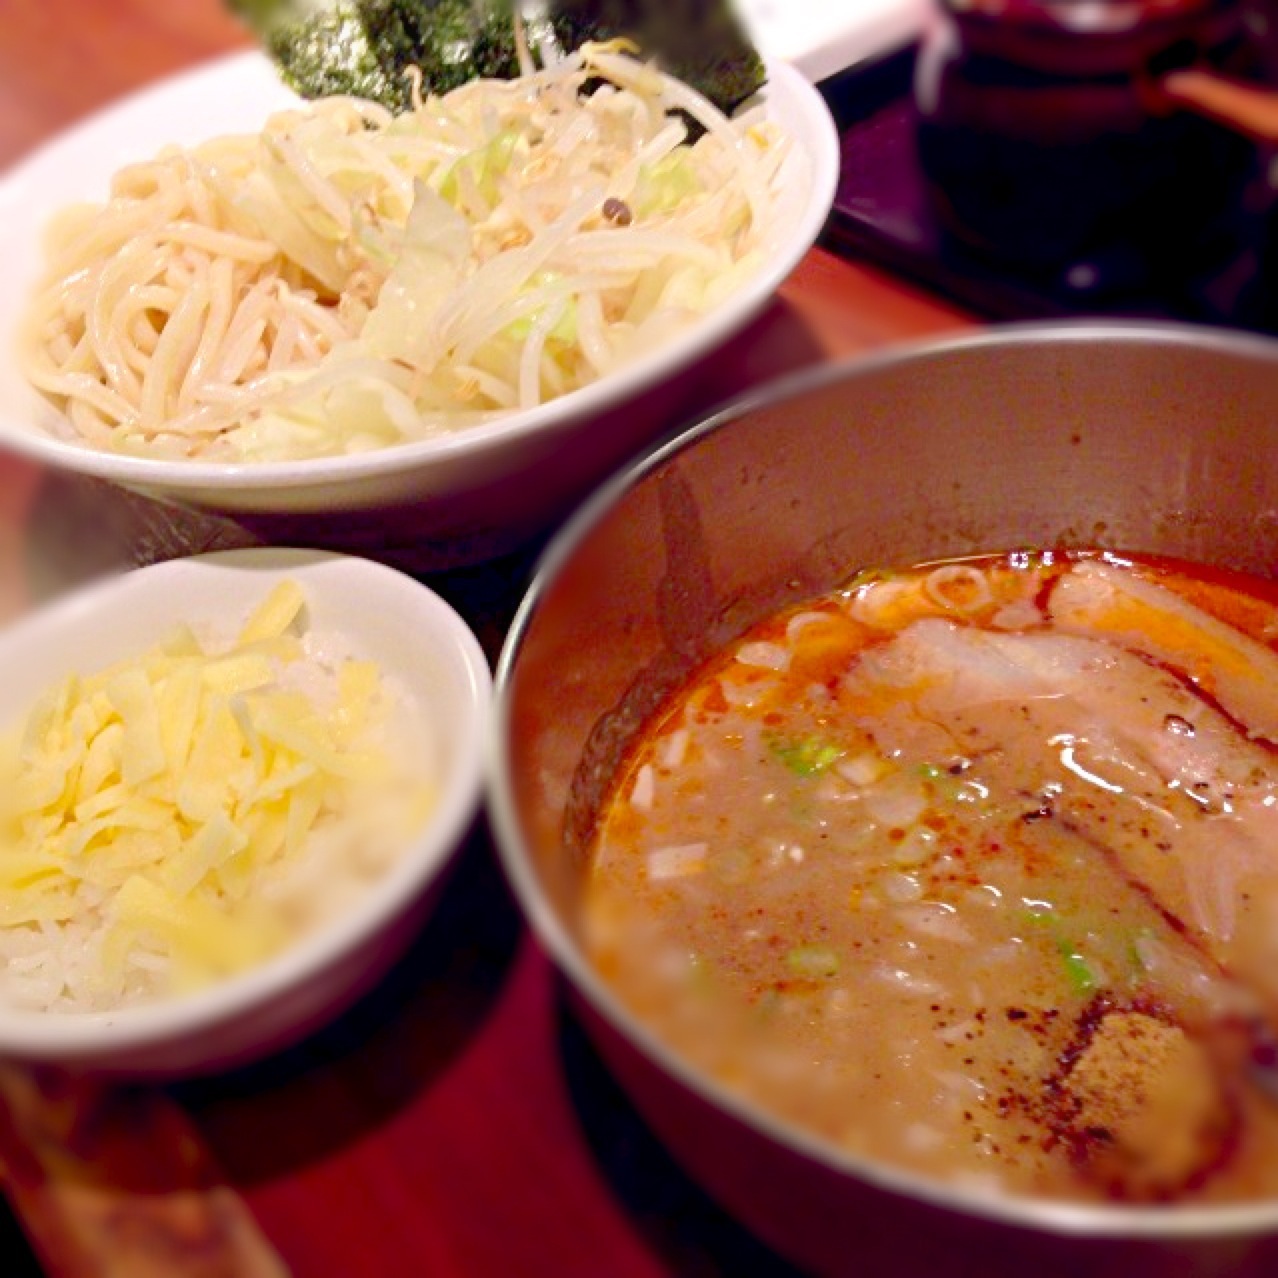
x=1082, y=979
x=813, y=961
x=808, y=757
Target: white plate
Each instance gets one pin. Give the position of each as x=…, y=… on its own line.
x=510, y=469
x=377, y=614
x=822, y=38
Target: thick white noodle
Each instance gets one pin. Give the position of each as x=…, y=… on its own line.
x=216, y=307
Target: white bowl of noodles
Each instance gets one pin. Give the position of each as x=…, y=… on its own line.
x=115, y=958
x=472, y=433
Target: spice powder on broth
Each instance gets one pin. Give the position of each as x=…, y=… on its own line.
x=971, y=868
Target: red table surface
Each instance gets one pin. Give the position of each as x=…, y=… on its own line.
x=457, y=1122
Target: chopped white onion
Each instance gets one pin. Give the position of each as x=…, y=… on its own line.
x=745, y=694
x=768, y=656
x=644, y=790
x=901, y=887
x=906, y=981
x=863, y=769
x=919, y=1138
x=781, y=851
x=959, y=1084
x=898, y=802
x=801, y=621
x=957, y=1033
x=918, y=846
x=839, y=1003
x=996, y=955
x=1017, y=616
x=986, y=896
x=872, y=604
x=676, y=749
x=678, y=861
x=833, y=789
x=989, y=1184
x=937, y=921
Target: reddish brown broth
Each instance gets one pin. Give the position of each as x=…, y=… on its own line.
x=964, y=867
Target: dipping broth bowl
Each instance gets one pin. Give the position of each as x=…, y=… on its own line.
x=1151, y=438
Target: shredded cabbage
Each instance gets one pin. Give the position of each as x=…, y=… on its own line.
x=349, y=280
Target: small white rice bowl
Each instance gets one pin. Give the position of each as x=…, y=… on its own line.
x=425, y=653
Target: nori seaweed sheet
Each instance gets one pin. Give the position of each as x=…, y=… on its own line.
x=364, y=47
x=700, y=41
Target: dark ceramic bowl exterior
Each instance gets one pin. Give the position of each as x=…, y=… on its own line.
x=1046, y=142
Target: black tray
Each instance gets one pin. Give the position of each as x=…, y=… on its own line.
x=885, y=213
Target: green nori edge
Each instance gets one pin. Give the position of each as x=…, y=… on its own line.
x=364, y=47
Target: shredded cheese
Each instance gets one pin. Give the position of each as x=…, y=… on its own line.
x=145, y=806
